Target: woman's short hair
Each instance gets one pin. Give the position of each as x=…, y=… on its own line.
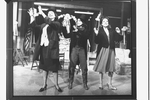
x=54, y=10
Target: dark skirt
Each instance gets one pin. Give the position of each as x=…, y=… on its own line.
x=48, y=64
x=105, y=61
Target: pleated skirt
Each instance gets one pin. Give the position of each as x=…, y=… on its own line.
x=105, y=61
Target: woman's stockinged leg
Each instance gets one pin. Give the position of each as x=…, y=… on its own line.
x=110, y=74
x=101, y=80
x=55, y=74
x=45, y=76
x=110, y=86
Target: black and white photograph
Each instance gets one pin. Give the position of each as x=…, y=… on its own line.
x=71, y=48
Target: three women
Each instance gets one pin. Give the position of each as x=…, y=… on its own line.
x=47, y=48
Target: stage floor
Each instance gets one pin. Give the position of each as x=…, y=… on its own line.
x=27, y=82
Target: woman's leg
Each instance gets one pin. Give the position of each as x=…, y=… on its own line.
x=83, y=65
x=55, y=74
x=72, y=65
x=45, y=76
x=110, y=74
x=101, y=80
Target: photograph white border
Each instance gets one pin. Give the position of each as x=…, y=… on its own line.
x=142, y=49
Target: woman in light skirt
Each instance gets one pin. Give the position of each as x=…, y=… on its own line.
x=105, y=38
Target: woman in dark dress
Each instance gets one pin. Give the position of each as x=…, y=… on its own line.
x=47, y=47
x=105, y=38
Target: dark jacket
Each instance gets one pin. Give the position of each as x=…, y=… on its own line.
x=53, y=47
x=83, y=36
x=102, y=40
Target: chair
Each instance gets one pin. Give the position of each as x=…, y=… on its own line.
x=22, y=57
x=32, y=50
x=33, y=63
x=62, y=59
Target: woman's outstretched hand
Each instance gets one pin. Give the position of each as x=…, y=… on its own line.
x=118, y=30
x=96, y=31
x=30, y=11
x=124, y=28
x=40, y=9
x=41, y=12
x=98, y=17
x=33, y=13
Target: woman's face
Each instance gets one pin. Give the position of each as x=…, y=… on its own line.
x=105, y=22
x=51, y=14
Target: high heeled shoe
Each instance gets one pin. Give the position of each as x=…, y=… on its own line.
x=85, y=86
x=58, y=89
x=111, y=87
x=101, y=87
x=43, y=88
